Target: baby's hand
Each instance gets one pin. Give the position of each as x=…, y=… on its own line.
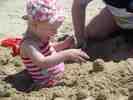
x=69, y=41
x=76, y=55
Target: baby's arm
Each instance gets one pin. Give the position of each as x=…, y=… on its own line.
x=67, y=43
x=32, y=51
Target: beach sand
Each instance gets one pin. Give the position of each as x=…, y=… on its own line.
x=108, y=75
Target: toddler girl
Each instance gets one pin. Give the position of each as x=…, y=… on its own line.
x=42, y=59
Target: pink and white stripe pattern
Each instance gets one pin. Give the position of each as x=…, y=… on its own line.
x=46, y=75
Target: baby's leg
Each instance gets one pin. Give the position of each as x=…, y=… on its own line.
x=101, y=25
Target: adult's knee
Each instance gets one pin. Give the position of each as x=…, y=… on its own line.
x=91, y=34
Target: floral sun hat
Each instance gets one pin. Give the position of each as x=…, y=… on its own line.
x=42, y=10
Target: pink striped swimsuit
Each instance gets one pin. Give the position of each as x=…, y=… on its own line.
x=39, y=75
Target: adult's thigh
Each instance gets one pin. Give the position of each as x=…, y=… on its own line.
x=101, y=25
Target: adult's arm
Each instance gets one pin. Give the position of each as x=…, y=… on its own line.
x=78, y=15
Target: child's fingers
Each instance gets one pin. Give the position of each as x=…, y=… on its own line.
x=84, y=55
x=80, y=59
x=70, y=39
x=58, y=76
x=53, y=70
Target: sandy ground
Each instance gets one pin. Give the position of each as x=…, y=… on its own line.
x=108, y=75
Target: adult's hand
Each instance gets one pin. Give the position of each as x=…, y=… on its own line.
x=84, y=3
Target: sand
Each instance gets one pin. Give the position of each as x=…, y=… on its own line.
x=108, y=75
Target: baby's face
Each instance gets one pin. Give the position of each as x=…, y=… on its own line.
x=46, y=30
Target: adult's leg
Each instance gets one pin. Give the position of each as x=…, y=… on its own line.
x=101, y=25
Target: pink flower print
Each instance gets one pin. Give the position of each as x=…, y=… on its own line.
x=38, y=15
